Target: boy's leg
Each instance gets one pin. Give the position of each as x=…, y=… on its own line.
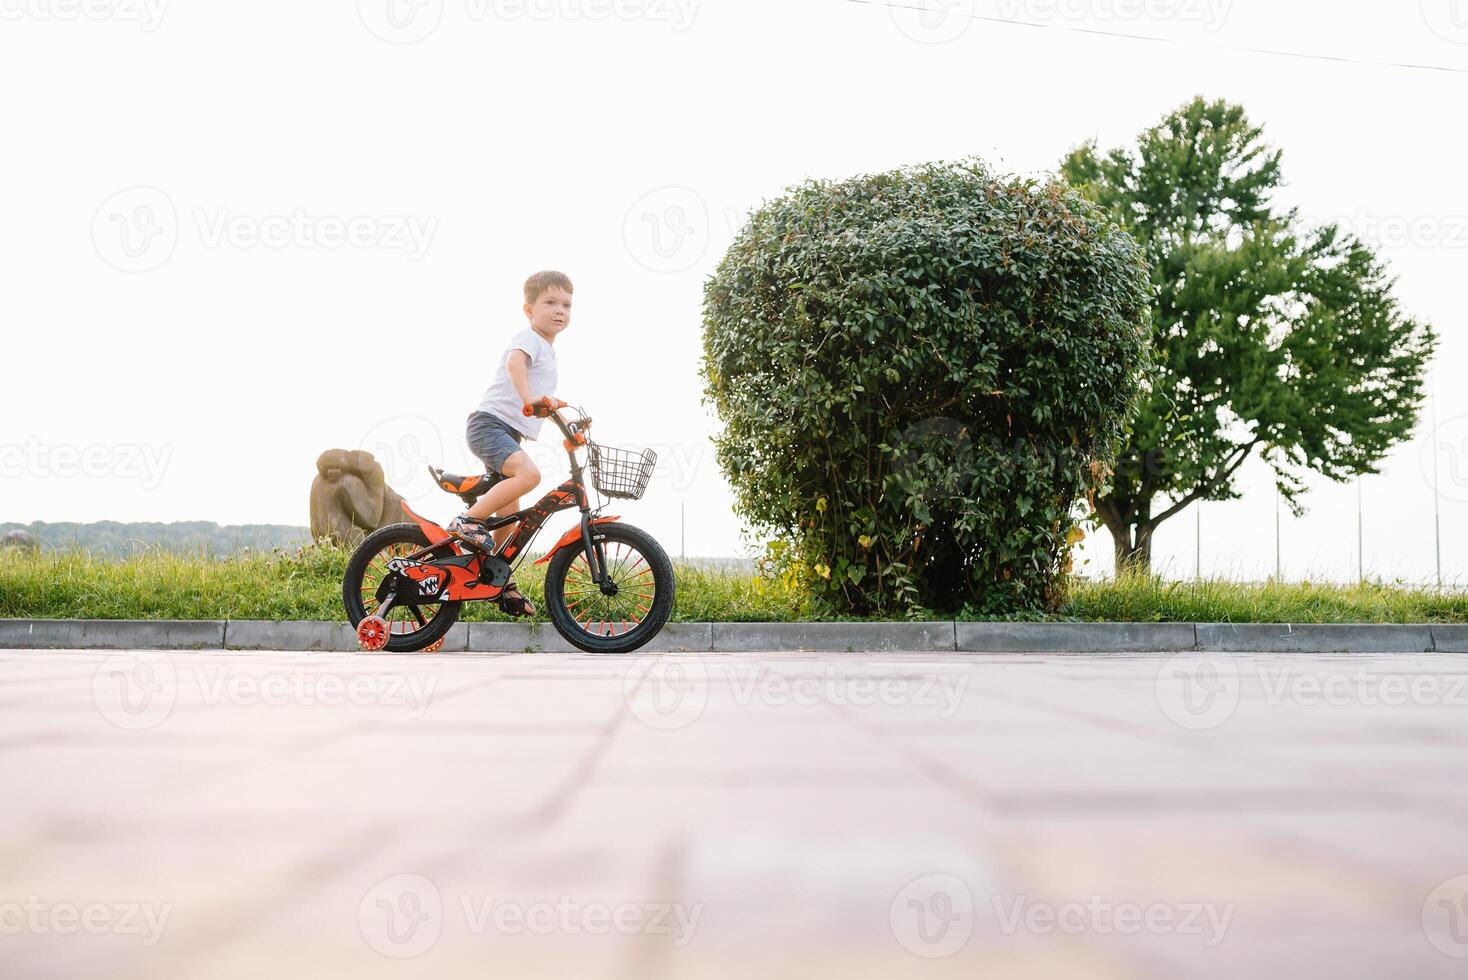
x=502, y=534
x=521, y=476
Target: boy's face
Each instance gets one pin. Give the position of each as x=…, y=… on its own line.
x=551, y=311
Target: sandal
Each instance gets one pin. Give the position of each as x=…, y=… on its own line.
x=513, y=602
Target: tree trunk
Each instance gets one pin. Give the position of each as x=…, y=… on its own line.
x=1134, y=557
x=1131, y=536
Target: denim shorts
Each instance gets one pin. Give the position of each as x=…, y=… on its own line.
x=493, y=440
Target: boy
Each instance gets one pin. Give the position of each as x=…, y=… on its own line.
x=526, y=373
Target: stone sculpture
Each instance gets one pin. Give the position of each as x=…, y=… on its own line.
x=350, y=497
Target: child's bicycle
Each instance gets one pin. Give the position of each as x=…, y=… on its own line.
x=608, y=586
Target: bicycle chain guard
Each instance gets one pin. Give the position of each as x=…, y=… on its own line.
x=461, y=578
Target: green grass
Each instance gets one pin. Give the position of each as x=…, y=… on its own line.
x=1138, y=599
x=306, y=584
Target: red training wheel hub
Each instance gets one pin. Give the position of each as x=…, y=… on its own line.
x=372, y=633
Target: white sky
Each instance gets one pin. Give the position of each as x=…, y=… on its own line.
x=516, y=136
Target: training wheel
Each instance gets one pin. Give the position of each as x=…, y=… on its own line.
x=372, y=633
x=435, y=646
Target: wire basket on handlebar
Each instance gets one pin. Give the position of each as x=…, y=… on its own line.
x=620, y=472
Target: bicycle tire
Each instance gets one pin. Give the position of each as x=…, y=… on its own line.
x=564, y=616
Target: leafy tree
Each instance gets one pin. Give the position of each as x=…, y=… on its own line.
x=920, y=373
x=1268, y=336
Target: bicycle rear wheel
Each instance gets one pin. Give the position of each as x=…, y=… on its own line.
x=410, y=628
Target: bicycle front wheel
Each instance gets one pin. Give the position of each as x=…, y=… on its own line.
x=641, y=598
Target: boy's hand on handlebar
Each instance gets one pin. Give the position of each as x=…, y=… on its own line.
x=543, y=407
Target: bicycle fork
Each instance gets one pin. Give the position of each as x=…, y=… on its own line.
x=596, y=558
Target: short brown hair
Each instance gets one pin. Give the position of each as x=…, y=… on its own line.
x=542, y=281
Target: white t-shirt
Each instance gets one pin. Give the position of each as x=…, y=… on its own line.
x=501, y=398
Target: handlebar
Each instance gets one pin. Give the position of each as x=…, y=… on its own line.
x=550, y=407
x=543, y=408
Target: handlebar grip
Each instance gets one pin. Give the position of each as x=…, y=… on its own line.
x=543, y=408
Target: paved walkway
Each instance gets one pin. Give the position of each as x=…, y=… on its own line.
x=254, y=815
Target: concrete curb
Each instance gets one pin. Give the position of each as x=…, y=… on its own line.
x=543, y=638
x=1075, y=637
x=933, y=637
x=832, y=637
x=107, y=634
x=1321, y=638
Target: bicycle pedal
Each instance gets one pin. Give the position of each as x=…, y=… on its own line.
x=468, y=543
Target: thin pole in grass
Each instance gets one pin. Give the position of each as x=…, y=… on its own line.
x=1360, y=536
x=1198, y=542
x=1437, y=527
x=1278, y=574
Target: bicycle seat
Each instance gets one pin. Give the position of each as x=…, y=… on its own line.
x=470, y=488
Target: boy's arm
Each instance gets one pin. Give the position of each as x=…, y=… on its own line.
x=518, y=364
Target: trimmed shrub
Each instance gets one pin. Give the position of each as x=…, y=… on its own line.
x=920, y=373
